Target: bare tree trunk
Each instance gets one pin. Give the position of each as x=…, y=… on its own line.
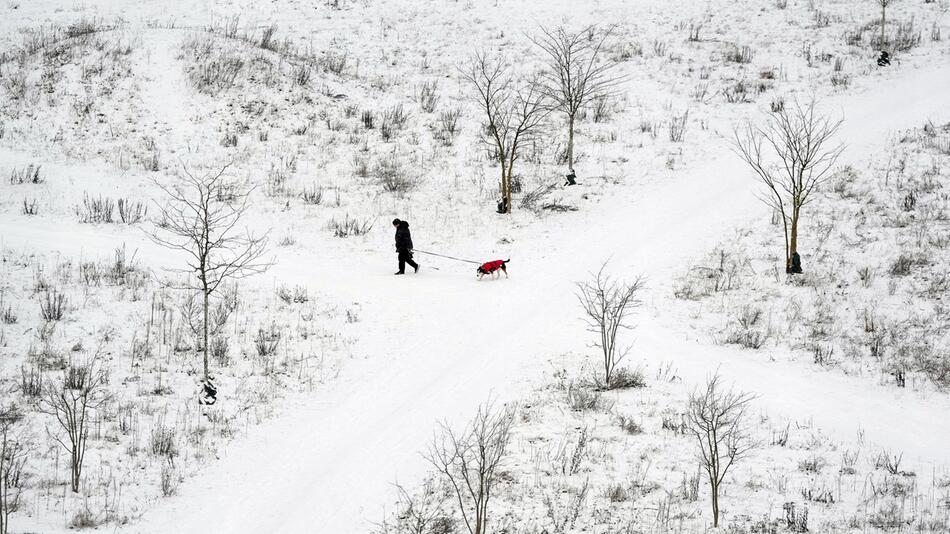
x=793, y=238
x=507, y=193
x=78, y=436
x=715, y=503
x=788, y=251
x=204, y=347
x=76, y=468
x=570, y=141
x=505, y=185
x=883, y=22
x=712, y=441
x=501, y=184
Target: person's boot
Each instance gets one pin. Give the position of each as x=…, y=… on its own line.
x=399, y=273
x=416, y=267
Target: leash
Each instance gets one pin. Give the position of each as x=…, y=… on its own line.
x=444, y=256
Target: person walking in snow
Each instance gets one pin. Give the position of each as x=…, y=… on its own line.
x=404, y=246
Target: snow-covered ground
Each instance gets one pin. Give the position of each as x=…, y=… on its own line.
x=449, y=348
x=368, y=364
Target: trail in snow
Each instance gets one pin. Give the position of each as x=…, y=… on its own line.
x=437, y=345
x=165, y=94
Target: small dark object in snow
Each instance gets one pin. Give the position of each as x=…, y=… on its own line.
x=796, y=266
x=208, y=394
x=884, y=59
x=558, y=206
x=571, y=178
x=516, y=185
x=900, y=378
x=503, y=205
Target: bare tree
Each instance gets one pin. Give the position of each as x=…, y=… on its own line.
x=574, y=77
x=72, y=402
x=200, y=218
x=468, y=461
x=884, y=5
x=791, y=154
x=716, y=417
x=513, y=115
x=13, y=455
x=607, y=304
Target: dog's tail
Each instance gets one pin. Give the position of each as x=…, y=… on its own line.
x=508, y=260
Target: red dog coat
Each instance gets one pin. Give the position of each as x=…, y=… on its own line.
x=491, y=266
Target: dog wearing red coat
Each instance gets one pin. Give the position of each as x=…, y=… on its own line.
x=493, y=269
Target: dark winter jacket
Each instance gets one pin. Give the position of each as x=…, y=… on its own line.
x=403, y=237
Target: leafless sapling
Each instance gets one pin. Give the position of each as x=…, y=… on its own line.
x=469, y=460
x=884, y=5
x=575, y=75
x=14, y=450
x=607, y=304
x=201, y=218
x=716, y=417
x=513, y=114
x=792, y=154
x=71, y=402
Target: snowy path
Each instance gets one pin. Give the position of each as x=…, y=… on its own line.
x=164, y=94
x=436, y=346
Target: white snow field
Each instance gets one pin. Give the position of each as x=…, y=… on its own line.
x=311, y=439
x=449, y=345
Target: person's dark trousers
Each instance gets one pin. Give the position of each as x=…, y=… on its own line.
x=406, y=257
